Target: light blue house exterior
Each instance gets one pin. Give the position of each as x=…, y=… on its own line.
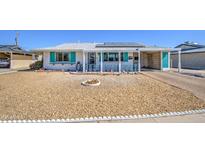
x=105, y=57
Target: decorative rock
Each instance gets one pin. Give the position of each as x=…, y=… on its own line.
x=131, y=117
x=109, y=117
x=139, y=116
x=24, y=121
x=126, y=117
x=135, y=116
x=58, y=120
x=105, y=118
x=114, y=118
x=91, y=82
x=118, y=117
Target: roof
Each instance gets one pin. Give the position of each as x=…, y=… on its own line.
x=107, y=46
x=120, y=44
x=199, y=50
x=190, y=47
x=12, y=48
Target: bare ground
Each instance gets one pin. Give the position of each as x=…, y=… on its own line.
x=55, y=95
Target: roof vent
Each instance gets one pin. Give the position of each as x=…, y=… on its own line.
x=190, y=42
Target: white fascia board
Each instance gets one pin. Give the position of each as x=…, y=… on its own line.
x=56, y=50
x=154, y=49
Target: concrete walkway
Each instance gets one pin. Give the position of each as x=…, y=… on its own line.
x=196, y=85
x=191, y=72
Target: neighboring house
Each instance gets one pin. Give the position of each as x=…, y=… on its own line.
x=192, y=56
x=116, y=57
x=14, y=57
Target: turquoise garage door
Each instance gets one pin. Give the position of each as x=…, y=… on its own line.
x=165, y=59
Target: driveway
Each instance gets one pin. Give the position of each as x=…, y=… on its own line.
x=191, y=72
x=196, y=85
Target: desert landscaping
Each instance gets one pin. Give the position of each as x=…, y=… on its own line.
x=55, y=95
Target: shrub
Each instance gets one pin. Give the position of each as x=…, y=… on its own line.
x=37, y=65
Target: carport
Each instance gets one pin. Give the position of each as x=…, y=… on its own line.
x=155, y=58
x=14, y=57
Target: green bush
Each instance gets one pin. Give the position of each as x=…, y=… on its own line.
x=37, y=65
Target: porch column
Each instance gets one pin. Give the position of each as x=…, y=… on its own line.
x=33, y=56
x=119, y=59
x=11, y=58
x=139, y=63
x=169, y=60
x=179, y=60
x=83, y=61
x=101, y=61
x=161, y=66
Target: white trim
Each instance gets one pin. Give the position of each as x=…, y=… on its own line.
x=101, y=62
x=83, y=61
x=119, y=59
x=169, y=60
x=179, y=60
x=161, y=61
x=139, y=61
x=108, y=118
x=11, y=60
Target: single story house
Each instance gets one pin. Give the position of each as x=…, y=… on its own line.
x=14, y=57
x=116, y=57
x=192, y=56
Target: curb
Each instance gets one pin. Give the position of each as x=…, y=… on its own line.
x=8, y=72
x=108, y=118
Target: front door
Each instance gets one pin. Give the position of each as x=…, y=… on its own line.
x=91, y=58
x=91, y=61
x=165, y=60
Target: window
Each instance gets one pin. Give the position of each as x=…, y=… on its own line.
x=62, y=56
x=59, y=56
x=113, y=56
x=65, y=56
x=135, y=58
x=110, y=56
x=105, y=57
x=121, y=56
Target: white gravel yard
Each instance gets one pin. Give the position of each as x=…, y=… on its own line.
x=55, y=95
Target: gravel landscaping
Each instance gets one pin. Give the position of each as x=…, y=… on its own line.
x=56, y=95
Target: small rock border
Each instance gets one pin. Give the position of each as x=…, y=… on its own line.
x=85, y=83
x=108, y=118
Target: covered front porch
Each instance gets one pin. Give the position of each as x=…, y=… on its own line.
x=129, y=61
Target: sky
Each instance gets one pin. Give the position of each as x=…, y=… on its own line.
x=31, y=39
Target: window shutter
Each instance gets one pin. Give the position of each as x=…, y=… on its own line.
x=99, y=55
x=52, y=57
x=125, y=56
x=72, y=57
